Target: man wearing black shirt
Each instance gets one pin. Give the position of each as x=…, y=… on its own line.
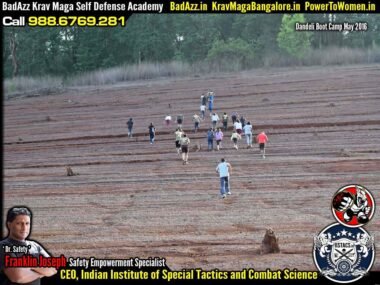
x=15, y=245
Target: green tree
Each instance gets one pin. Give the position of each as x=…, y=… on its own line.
x=233, y=54
x=293, y=42
x=195, y=35
x=260, y=31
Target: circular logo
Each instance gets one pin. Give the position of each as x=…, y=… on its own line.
x=353, y=205
x=343, y=254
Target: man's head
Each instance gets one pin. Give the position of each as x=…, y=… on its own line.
x=19, y=222
x=222, y=160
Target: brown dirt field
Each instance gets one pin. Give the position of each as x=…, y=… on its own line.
x=135, y=199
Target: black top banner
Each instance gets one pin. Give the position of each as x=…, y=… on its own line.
x=115, y=13
x=125, y=8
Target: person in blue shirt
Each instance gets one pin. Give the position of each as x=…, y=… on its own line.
x=210, y=101
x=210, y=139
x=224, y=169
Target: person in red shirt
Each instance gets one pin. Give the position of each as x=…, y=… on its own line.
x=262, y=139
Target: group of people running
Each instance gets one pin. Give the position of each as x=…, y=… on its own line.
x=241, y=127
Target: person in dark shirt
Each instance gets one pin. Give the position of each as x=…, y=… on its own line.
x=234, y=117
x=16, y=245
x=179, y=121
x=152, y=133
x=130, y=127
x=210, y=139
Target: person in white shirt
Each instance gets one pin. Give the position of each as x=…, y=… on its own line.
x=214, y=119
x=185, y=141
x=224, y=169
x=168, y=120
x=203, y=110
x=248, y=133
x=238, y=127
x=197, y=121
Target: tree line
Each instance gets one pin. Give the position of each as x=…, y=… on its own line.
x=221, y=40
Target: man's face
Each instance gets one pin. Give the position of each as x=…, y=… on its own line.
x=19, y=228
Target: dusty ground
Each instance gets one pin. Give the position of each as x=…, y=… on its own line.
x=134, y=199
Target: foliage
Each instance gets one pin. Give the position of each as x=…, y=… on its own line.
x=233, y=54
x=294, y=42
x=224, y=41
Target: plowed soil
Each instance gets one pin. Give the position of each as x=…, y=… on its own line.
x=132, y=198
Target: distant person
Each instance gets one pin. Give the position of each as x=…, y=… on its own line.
x=218, y=138
x=210, y=139
x=234, y=117
x=224, y=169
x=168, y=120
x=178, y=135
x=203, y=100
x=130, y=127
x=197, y=120
x=242, y=121
x=179, y=121
x=235, y=137
x=214, y=119
x=238, y=127
x=210, y=96
x=185, y=141
x=203, y=111
x=152, y=133
x=262, y=140
x=225, y=121
x=248, y=133
x=18, y=222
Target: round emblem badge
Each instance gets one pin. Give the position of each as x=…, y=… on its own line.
x=343, y=254
x=353, y=206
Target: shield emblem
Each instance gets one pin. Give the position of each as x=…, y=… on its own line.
x=344, y=250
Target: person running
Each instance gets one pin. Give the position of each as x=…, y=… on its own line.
x=178, y=135
x=225, y=121
x=235, y=137
x=203, y=100
x=203, y=111
x=130, y=127
x=197, y=120
x=248, y=133
x=210, y=100
x=180, y=121
x=224, y=169
x=262, y=139
x=214, y=120
x=238, y=127
x=185, y=141
x=168, y=120
x=242, y=121
x=210, y=139
x=234, y=116
x=218, y=138
x=152, y=133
